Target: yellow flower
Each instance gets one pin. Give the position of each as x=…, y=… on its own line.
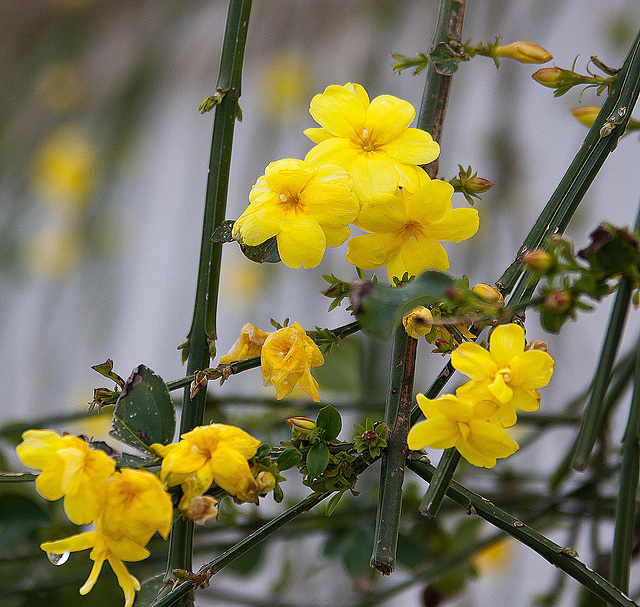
x=210, y=454
x=418, y=322
x=406, y=228
x=248, y=345
x=506, y=374
x=135, y=506
x=306, y=207
x=372, y=141
x=454, y=422
x=287, y=357
x=70, y=468
x=524, y=52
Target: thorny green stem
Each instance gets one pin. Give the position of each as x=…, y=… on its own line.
x=202, y=334
x=430, y=119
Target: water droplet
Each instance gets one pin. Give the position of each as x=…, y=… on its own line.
x=412, y=238
x=58, y=559
x=283, y=197
x=365, y=133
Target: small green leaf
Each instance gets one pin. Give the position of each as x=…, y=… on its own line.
x=444, y=59
x=263, y=451
x=333, y=502
x=330, y=421
x=289, y=458
x=144, y=413
x=317, y=459
x=265, y=252
x=223, y=233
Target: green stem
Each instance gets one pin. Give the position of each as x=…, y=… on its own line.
x=392, y=470
x=627, y=492
x=563, y=558
x=202, y=334
x=432, y=500
x=593, y=417
x=403, y=360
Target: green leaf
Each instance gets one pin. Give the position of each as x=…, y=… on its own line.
x=333, y=502
x=444, y=59
x=330, y=421
x=265, y=252
x=263, y=451
x=317, y=459
x=144, y=413
x=380, y=309
x=223, y=233
x=289, y=458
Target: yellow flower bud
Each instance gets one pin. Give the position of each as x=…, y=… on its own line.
x=418, y=322
x=488, y=293
x=525, y=52
x=477, y=185
x=265, y=482
x=302, y=425
x=552, y=77
x=558, y=302
x=538, y=261
x=586, y=114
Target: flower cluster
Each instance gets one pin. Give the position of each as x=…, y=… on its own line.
x=502, y=379
x=126, y=507
x=286, y=357
x=365, y=169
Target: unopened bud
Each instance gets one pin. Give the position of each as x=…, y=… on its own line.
x=537, y=261
x=552, y=77
x=265, y=482
x=477, y=185
x=418, y=322
x=202, y=508
x=488, y=293
x=524, y=52
x=370, y=437
x=558, y=302
x=586, y=114
x=301, y=425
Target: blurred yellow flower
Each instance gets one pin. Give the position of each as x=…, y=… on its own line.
x=454, y=422
x=287, y=357
x=285, y=83
x=506, y=373
x=407, y=227
x=248, y=345
x=135, y=506
x=210, y=454
x=306, y=207
x=65, y=168
x=70, y=468
x=372, y=141
x=53, y=251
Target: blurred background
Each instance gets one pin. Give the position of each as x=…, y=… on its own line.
x=103, y=163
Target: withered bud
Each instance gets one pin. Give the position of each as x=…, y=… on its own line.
x=537, y=344
x=202, y=508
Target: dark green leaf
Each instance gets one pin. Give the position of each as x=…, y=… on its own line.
x=144, y=413
x=263, y=451
x=223, y=233
x=265, y=252
x=330, y=421
x=444, y=59
x=289, y=458
x=333, y=502
x=317, y=459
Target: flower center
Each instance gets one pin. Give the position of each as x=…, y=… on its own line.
x=291, y=202
x=413, y=230
x=365, y=141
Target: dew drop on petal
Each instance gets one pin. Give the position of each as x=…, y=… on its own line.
x=365, y=133
x=58, y=559
x=283, y=197
x=412, y=238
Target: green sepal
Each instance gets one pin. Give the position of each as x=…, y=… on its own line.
x=289, y=458
x=265, y=252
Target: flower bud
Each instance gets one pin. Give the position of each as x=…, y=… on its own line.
x=525, y=52
x=537, y=261
x=202, y=508
x=586, y=114
x=418, y=322
x=558, y=302
x=477, y=185
x=301, y=425
x=265, y=482
x=488, y=293
x=552, y=77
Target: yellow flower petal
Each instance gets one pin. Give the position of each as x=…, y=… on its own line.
x=531, y=370
x=473, y=361
x=232, y=473
x=413, y=146
x=431, y=202
x=385, y=213
x=387, y=118
x=418, y=255
x=301, y=242
x=338, y=110
x=248, y=345
x=372, y=250
x=457, y=225
x=506, y=341
x=437, y=433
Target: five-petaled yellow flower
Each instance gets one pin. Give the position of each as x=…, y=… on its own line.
x=133, y=508
x=70, y=468
x=248, y=345
x=506, y=374
x=306, y=207
x=287, y=357
x=372, y=141
x=210, y=454
x=454, y=422
x=407, y=227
